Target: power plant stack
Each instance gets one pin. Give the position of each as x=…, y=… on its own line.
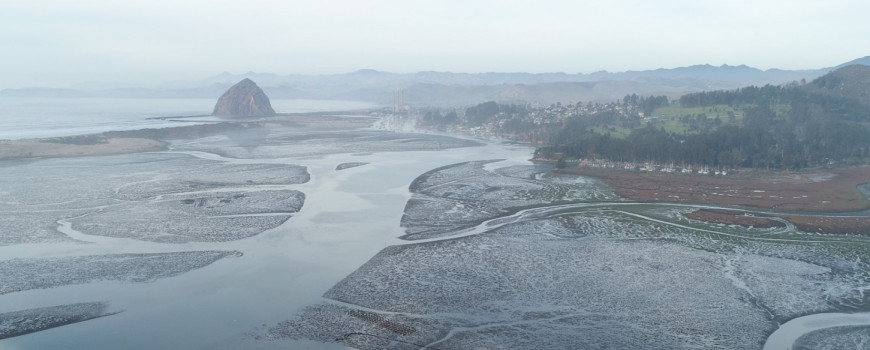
x=399, y=101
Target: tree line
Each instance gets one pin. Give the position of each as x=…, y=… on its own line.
x=784, y=127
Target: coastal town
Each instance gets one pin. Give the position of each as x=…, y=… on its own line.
x=535, y=125
x=645, y=167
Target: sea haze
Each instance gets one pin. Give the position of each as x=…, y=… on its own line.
x=35, y=117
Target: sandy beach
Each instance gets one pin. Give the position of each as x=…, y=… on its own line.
x=22, y=149
x=149, y=140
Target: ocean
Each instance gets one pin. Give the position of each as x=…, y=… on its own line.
x=33, y=117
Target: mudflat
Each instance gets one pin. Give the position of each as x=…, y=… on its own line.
x=18, y=149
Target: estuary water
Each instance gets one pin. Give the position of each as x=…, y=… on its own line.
x=347, y=217
x=790, y=332
x=34, y=117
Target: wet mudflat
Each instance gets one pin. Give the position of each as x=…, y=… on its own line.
x=317, y=142
x=26, y=274
x=13, y=324
x=188, y=199
x=561, y=265
x=313, y=238
x=190, y=244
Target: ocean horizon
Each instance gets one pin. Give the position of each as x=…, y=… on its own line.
x=36, y=117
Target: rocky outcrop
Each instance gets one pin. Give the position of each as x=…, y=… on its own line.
x=245, y=99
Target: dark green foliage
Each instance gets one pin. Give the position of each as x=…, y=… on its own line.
x=780, y=127
x=785, y=127
x=524, y=123
x=481, y=113
x=851, y=82
x=646, y=104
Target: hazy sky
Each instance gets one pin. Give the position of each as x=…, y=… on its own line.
x=59, y=42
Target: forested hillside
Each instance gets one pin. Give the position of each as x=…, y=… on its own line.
x=822, y=123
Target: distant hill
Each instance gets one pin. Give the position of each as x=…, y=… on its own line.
x=864, y=61
x=44, y=92
x=429, y=88
x=852, y=81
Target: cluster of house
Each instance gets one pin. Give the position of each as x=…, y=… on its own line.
x=557, y=112
x=649, y=167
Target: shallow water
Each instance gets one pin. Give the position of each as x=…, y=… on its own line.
x=789, y=332
x=348, y=216
x=34, y=117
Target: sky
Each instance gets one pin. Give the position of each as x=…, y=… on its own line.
x=61, y=43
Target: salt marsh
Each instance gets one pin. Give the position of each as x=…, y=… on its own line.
x=580, y=271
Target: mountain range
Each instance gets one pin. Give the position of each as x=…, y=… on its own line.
x=429, y=88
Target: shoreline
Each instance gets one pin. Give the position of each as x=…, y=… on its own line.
x=35, y=148
x=809, y=200
x=157, y=139
x=820, y=201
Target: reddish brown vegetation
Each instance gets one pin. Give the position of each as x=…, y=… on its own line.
x=833, y=190
x=837, y=192
x=831, y=224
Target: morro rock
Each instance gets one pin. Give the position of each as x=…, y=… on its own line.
x=245, y=99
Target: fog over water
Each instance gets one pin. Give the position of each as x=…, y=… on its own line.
x=23, y=118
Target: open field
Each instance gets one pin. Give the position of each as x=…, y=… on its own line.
x=669, y=116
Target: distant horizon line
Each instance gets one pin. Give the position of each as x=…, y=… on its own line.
x=545, y=72
x=372, y=70
x=138, y=84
